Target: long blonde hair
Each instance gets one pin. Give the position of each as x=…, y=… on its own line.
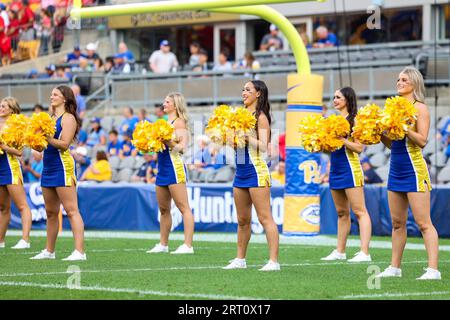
x=417, y=82
x=13, y=104
x=180, y=106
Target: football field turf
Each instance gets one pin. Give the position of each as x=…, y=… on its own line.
x=119, y=268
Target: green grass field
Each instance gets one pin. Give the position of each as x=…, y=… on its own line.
x=119, y=268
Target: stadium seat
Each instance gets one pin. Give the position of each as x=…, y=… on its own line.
x=115, y=175
x=430, y=148
x=438, y=159
x=224, y=174
x=125, y=174
x=374, y=149
x=114, y=162
x=139, y=161
x=383, y=172
x=378, y=160
x=444, y=175
x=127, y=163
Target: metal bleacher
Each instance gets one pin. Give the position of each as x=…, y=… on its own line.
x=371, y=69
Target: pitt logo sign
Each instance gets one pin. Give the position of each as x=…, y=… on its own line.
x=311, y=171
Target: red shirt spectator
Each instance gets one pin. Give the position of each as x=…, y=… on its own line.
x=5, y=41
x=282, y=146
x=13, y=29
x=26, y=18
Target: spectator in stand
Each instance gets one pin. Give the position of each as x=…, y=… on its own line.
x=13, y=30
x=147, y=172
x=126, y=148
x=194, y=59
x=114, y=144
x=33, y=74
x=163, y=60
x=282, y=146
x=82, y=136
x=5, y=42
x=49, y=72
x=325, y=38
x=98, y=65
x=97, y=136
x=203, y=62
x=444, y=132
x=370, y=176
x=130, y=121
x=33, y=171
x=74, y=56
x=305, y=39
x=91, y=53
x=4, y=15
x=280, y=174
x=38, y=108
x=83, y=66
x=81, y=101
x=120, y=65
x=60, y=73
x=45, y=31
x=59, y=25
x=26, y=21
x=223, y=65
x=142, y=115
x=100, y=170
x=46, y=3
x=82, y=161
x=271, y=41
x=109, y=64
x=202, y=157
x=249, y=62
x=129, y=56
x=160, y=114
x=447, y=149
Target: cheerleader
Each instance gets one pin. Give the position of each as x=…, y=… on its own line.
x=58, y=180
x=252, y=183
x=172, y=177
x=346, y=184
x=11, y=182
x=409, y=182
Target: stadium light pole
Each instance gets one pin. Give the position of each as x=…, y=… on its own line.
x=304, y=97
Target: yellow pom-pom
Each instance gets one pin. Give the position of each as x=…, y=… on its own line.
x=335, y=127
x=230, y=126
x=398, y=115
x=311, y=133
x=368, y=128
x=40, y=126
x=150, y=137
x=13, y=131
x=141, y=136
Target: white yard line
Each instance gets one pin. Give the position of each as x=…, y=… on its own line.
x=395, y=295
x=320, y=240
x=125, y=290
x=304, y=264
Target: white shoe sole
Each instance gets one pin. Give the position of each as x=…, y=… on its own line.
x=174, y=252
x=33, y=258
x=357, y=261
x=234, y=268
x=156, y=251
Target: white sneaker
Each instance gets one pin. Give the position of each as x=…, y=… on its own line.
x=22, y=244
x=335, y=255
x=236, y=263
x=76, y=256
x=2, y=245
x=390, y=272
x=430, y=274
x=360, y=257
x=271, y=266
x=44, y=255
x=183, y=249
x=158, y=248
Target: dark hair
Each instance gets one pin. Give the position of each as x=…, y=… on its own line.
x=352, y=107
x=101, y=155
x=114, y=131
x=70, y=104
x=38, y=106
x=263, y=105
x=203, y=52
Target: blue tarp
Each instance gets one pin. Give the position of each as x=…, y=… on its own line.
x=134, y=207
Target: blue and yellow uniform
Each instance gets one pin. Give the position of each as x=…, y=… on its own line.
x=59, y=166
x=10, y=170
x=345, y=170
x=408, y=170
x=171, y=169
x=251, y=169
